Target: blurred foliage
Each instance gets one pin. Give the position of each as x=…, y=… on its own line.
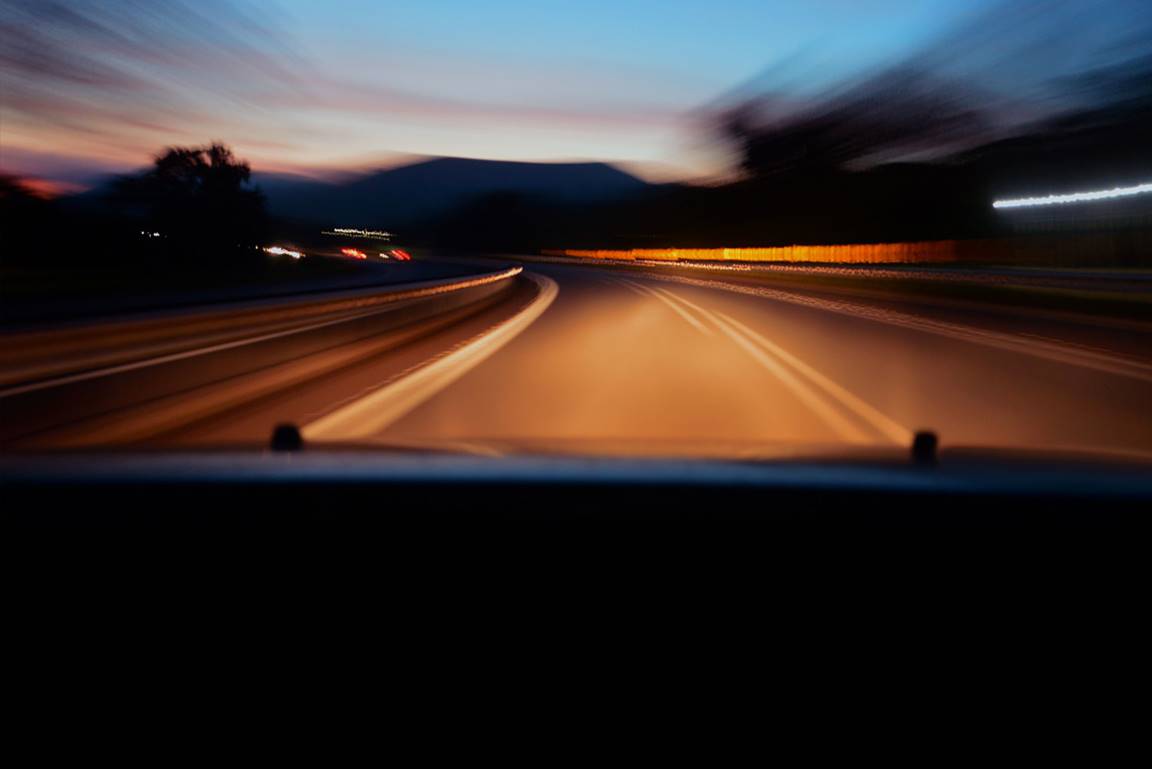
x=194, y=206
x=199, y=199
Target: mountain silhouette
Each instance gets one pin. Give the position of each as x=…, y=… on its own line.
x=409, y=193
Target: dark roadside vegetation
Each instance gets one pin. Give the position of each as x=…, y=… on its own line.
x=190, y=230
x=191, y=223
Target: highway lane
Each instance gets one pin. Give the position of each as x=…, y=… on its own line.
x=627, y=363
x=597, y=361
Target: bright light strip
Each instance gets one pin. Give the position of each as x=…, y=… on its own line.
x=358, y=233
x=1075, y=197
x=278, y=251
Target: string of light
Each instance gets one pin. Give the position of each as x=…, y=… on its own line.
x=1074, y=197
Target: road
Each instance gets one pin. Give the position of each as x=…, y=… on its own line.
x=592, y=360
x=63, y=300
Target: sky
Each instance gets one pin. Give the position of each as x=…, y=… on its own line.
x=328, y=87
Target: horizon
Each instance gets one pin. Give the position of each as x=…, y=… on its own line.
x=47, y=188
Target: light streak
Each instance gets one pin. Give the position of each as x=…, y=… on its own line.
x=1074, y=197
x=54, y=373
x=278, y=251
x=353, y=232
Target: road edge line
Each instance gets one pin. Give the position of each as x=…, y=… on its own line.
x=372, y=413
x=881, y=422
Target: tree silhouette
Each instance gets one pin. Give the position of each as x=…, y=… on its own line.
x=200, y=201
x=24, y=217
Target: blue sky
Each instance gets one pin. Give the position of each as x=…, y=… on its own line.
x=375, y=82
x=680, y=51
x=617, y=79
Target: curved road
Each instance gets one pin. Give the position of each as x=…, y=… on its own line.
x=594, y=360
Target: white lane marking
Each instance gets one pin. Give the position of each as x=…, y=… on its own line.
x=884, y=424
x=621, y=284
x=809, y=397
x=372, y=413
x=687, y=316
x=865, y=411
x=119, y=369
x=1038, y=348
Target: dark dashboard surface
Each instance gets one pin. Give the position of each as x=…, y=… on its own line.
x=381, y=491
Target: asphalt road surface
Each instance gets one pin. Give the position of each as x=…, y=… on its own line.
x=591, y=360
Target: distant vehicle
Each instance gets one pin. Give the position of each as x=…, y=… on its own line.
x=354, y=253
x=281, y=251
x=397, y=254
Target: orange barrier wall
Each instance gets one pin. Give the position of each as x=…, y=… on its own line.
x=865, y=253
x=1128, y=247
